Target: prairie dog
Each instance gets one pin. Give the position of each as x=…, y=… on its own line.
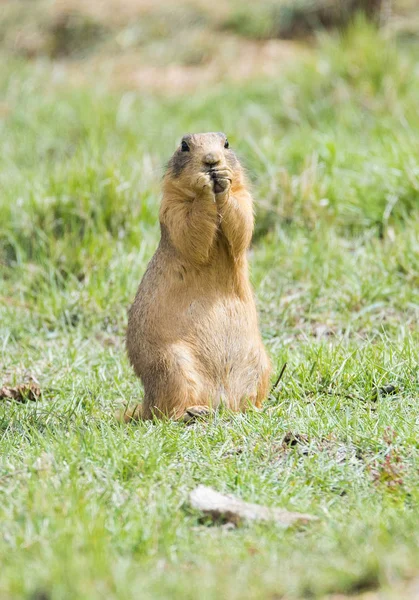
x=193, y=336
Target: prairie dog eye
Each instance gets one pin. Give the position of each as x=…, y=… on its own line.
x=184, y=146
x=226, y=144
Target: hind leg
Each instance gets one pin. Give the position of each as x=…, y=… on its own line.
x=175, y=387
x=252, y=385
x=175, y=384
x=173, y=398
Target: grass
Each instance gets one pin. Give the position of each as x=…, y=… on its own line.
x=91, y=509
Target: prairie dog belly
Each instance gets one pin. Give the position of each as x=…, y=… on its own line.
x=227, y=323
x=226, y=346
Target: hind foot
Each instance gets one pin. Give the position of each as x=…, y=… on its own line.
x=196, y=413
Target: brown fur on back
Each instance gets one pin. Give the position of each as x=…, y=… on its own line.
x=193, y=335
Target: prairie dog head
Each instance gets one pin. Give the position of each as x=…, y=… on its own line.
x=203, y=153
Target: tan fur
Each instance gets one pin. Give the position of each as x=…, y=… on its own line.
x=193, y=335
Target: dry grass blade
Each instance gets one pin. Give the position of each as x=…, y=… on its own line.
x=221, y=507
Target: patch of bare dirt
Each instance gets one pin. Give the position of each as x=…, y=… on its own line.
x=125, y=10
x=230, y=60
x=172, y=48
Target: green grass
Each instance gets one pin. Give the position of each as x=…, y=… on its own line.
x=91, y=509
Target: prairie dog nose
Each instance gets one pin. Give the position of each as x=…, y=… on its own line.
x=212, y=158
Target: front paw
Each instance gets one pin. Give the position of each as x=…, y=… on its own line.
x=222, y=181
x=221, y=186
x=203, y=183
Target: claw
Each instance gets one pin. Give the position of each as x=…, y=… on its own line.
x=194, y=413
